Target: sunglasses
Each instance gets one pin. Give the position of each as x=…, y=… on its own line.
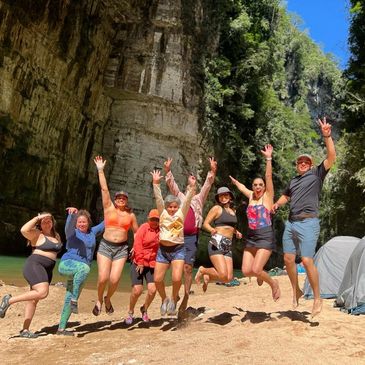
x=259, y=184
x=307, y=162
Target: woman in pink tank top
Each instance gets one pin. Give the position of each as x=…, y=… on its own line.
x=260, y=234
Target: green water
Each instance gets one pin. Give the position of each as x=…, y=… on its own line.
x=11, y=272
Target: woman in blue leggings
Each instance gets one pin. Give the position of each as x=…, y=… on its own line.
x=75, y=263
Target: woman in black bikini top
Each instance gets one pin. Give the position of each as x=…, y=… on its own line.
x=46, y=243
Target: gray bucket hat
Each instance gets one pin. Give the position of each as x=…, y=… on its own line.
x=223, y=190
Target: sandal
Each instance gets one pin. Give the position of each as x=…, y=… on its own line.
x=110, y=309
x=27, y=334
x=4, y=305
x=96, y=310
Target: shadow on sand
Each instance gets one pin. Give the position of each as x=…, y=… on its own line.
x=183, y=320
x=259, y=317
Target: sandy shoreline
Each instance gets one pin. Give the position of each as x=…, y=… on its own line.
x=237, y=325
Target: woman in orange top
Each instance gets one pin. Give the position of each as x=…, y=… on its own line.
x=113, y=249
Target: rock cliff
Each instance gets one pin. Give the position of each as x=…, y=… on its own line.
x=80, y=78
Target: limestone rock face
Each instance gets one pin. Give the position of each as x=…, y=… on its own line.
x=80, y=78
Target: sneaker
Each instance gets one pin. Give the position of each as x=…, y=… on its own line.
x=74, y=307
x=4, y=305
x=129, y=319
x=171, y=308
x=64, y=333
x=163, y=308
x=145, y=317
x=27, y=334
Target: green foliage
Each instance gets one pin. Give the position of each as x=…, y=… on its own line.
x=345, y=203
x=266, y=84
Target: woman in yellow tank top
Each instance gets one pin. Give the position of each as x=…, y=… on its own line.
x=113, y=249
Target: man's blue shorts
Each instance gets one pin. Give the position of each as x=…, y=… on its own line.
x=301, y=237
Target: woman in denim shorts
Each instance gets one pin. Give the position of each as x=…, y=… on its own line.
x=171, y=250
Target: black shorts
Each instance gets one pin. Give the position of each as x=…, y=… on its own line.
x=138, y=279
x=261, y=238
x=38, y=269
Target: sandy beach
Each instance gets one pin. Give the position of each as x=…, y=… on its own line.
x=227, y=325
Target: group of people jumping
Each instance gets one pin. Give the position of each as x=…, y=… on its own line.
x=169, y=238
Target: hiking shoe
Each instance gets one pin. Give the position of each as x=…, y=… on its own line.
x=27, y=334
x=64, y=333
x=129, y=319
x=145, y=317
x=163, y=308
x=74, y=307
x=171, y=308
x=4, y=305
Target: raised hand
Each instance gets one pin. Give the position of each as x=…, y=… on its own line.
x=326, y=128
x=213, y=165
x=71, y=210
x=167, y=165
x=267, y=151
x=156, y=176
x=191, y=180
x=99, y=162
x=234, y=181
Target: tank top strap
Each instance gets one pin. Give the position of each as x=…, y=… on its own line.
x=258, y=202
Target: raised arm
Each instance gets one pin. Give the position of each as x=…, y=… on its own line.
x=203, y=194
x=30, y=231
x=156, y=178
x=267, y=152
x=211, y=216
x=170, y=181
x=242, y=188
x=70, y=222
x=105, y=195
x=191, y=192
x=98, y=228
x=326, y=130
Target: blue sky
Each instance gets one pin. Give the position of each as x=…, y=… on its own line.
x=327, y=22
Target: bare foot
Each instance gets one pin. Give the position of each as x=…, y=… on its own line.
x=298, y=295
x=259, y=281
x=198, y=276
x=205, y=283
x=276, y=291
x=317, y=307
